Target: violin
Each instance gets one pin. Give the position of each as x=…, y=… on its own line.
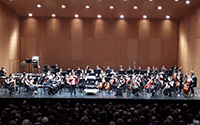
x=147, y=86
x=131, y=85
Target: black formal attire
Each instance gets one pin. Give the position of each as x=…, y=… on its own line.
x=193, y=83
x=121, y=71
x=120, y=89
x=2, y=72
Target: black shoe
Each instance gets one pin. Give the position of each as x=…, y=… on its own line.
x=74, y=95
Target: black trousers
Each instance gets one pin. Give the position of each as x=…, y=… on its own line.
x=73, y=89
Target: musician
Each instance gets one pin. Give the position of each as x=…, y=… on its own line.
x=156, y=87
x=121, y=71
x=179, y=80
x=193, y=82
x=100, y=81
x=169, y=86
x=114, y=82
x=42, y=79
x=2, y=71
x=87, y=70
x=73, y=79
x=78, y=71
x=108, y=70
x=29, y=84
x=148, y=72
x=136, y=86
x=97, y=70
x=81, y=82
x=56, y=84
x=57, y=69
x=121, y=86
x=129, y=71
x=61, y=83
x=9, y=84
x=2, y=75
x=46, y=68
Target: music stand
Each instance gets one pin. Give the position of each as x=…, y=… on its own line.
x=28, y=61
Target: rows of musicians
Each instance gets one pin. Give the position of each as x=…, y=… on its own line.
x=131, y=81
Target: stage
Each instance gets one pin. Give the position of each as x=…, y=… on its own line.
x=101, y=97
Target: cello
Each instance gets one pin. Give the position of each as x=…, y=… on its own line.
x=108, y=85
x=187, y=85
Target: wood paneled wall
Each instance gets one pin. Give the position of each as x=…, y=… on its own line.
x=73, y=42
x=189, y=41
x=9, y=39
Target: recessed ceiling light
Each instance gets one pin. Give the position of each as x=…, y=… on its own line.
x=38, y=6
x=150, y=0
x=53, y=15
x=176, y=0
x=125, y=0
x=121, y=16
x=76, y=15
x=30, y=14
x=159, y=7
x=111, y=7
x=63, y=6
x=187, y=2
x=10, y=0
x=135, y=7
x=167, y=17
x=87, y=7
x=144, y=16
x=98, y=16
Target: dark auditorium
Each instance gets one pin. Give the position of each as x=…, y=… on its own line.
x=99, y=62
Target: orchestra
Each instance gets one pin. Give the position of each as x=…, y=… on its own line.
x=135, y=81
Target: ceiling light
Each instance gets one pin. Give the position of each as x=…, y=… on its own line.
x=76, y=15
x=98, y=16
x=144, y=16
x=187, y=2
x=10, y=0
x=167, y=17
x=159, y=7
x=53, y=15
x=135, y=7
x=150, y=0
x=87, y=7
x=38, y=6
x=121, y=16
x=176, y=0
x=111, y=7
x=125, y=0
x=63, y=6
x=30, y=14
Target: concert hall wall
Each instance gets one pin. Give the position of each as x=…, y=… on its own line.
x=189, y=41
x=73, y=42
x=9, y=39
